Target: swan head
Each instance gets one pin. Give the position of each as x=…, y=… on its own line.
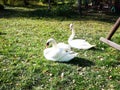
x=71, y=26
x=51, y=40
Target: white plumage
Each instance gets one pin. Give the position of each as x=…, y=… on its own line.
x=64, y=46
x=58, y=52
x=78, y=43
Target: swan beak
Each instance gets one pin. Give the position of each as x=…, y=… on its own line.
x=46, y=46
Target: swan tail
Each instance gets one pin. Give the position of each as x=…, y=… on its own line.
x=87, y=47
x=92, y=46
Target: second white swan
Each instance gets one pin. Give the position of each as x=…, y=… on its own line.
x=78, y=43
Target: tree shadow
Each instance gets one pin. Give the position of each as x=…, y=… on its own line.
x=98, y=49
x=57, y=12
x=81, y=62
x=114, y=63
x=103, y=16
x=36, y=12
x=1, y=33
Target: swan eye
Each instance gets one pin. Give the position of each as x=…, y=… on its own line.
x=47, y=43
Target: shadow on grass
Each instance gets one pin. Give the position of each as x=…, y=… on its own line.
x=114, y=63
x=98, y=49
x=37, y=12
x=57, y=12
x=1, y=33
x=81, y=62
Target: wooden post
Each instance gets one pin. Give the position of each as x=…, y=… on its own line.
x=114, y=28
x=107, y=40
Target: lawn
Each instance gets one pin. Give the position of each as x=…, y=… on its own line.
x=23, y=35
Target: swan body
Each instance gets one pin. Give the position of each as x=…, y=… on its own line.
x=64, y=46
x=57, y=53
x=78, y=43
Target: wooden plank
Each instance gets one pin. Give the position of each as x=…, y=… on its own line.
x=112, y=44
x=114, y=28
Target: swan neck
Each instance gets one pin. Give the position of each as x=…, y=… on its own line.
x=72, y=35
x=54, y=43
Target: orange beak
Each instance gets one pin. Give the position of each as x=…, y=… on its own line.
x=46, y=46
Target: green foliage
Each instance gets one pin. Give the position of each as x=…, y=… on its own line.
x=22, y=2
x=18, y=2
x=46, y=1
x=64, y=10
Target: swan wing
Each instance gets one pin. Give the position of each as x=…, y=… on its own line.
x=66, y=56
x=58, y=55
x=52, y=54
x=64, y=46
x=80, y=44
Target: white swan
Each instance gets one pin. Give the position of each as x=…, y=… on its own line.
x=78, y=43
x=58, y=53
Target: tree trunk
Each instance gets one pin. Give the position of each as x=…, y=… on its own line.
x=117, y=7
x=12, y=2
x=62, y=1
x=49, y=6
x=86, y=4
x=26, y=2
x=5, y=2
x=79, y=6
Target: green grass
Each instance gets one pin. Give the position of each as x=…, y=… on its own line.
x=23, y=34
